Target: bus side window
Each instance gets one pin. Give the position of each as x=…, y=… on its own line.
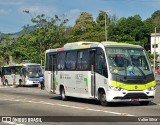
x=101, y=66
x=47, y=62
x=71, y=58
x=82, y=61
x=52, y=62
x=61, y=61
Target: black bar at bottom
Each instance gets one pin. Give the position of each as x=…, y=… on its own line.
x=23, y=119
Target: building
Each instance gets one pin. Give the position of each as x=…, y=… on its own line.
x=155, y=42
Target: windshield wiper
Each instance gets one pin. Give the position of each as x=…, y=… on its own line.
x=141, y=71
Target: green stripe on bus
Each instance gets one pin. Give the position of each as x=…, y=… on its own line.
x=132, y=87
x=86, y=81
x=55, y=81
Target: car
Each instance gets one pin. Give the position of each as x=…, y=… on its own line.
x=157, y=70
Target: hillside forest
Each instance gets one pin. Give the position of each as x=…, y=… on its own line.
x=53, y=32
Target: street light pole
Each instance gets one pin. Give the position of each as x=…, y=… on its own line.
x=103, y=11
x=105, y=27
x=154, y=63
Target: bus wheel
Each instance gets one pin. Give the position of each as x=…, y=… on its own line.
x=102, y=98
x=6, y=82
x=63, y=95
x=144, y=102
x=20, y=83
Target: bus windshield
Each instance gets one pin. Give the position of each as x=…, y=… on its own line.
x=34, y=71
x=128, y=61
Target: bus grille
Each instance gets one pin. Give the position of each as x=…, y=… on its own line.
x=133, y=81
x=134, y=96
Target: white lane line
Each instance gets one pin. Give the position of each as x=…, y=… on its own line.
x=68, y=106
x=97, y=110
x=13, y=123
x=73, y=107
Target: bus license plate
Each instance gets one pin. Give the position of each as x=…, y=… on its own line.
x=135, y=100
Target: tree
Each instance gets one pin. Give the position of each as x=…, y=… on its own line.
x=52, y=33
x=46, y=33
x=127, y=29
x=156, y=18
x=83, y=24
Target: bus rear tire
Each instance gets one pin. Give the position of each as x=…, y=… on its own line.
x=63, y=95
x=20, y=83
x=144, y=102
x=6, y=82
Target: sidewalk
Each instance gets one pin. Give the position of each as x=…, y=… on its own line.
x=157, y=77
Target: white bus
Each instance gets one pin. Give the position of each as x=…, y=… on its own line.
x=107, y=71
x=31, y=73
x=12, y=74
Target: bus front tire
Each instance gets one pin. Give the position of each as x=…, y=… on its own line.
x=144, y=102
x=102, y=99
x=63, y=95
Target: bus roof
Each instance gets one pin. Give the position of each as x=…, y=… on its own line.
x=119, y=44
x=29, y=64
x=12, y=65
x=82, y=45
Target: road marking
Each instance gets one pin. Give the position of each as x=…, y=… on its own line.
x=73, y=107
x=68, y=106
x=13, y=123
x=97, y=110
x=3, y=87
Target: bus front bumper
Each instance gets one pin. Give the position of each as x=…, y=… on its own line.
x=29, y=83
x=121, y=96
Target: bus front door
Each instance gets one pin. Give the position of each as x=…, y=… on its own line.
x=53, y=68
x=92, y=64
x=49, y=74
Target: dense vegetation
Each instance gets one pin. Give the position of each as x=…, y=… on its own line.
x=53, y=32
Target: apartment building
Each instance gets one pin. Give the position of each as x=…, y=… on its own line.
x=155, y=42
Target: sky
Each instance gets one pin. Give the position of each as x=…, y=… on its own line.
x=12, y=17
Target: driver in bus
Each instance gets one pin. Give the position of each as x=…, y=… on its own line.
x=135, y=60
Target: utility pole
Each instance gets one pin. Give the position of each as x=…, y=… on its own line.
x=105, y=12
x=154, y=63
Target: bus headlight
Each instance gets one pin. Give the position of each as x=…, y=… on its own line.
x=116, y=88
x=151, y=88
